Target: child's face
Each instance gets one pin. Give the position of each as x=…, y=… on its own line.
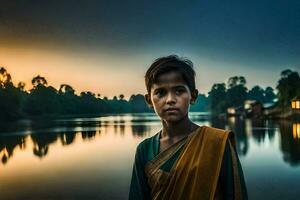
x=171, y=97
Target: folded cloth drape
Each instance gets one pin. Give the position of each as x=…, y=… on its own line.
x=196, y=172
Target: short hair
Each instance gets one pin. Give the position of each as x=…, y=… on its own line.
x=168, y=64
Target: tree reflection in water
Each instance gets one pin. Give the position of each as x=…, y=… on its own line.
x=290, y=144
x=141, y=127
x=238, y=126
x=8, y=145
x=67, y=138
x=87, y=135
x=41, y=142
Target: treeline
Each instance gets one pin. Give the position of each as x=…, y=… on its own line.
x=45, y=100
x=234, y=92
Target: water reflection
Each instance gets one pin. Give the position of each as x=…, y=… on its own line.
x=8, y=145
x=41, y=142
x=67, y=138
x=218, y=122
x=104, y=147
x=238, y=126
x=290, y=144
x=88, y=135
x=296, y=130
x=45, y=133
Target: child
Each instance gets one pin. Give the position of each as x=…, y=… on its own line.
x=183, y=161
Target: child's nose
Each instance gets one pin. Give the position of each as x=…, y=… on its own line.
x=171, y=98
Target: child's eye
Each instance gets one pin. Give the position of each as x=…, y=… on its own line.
x=159, y=93
x=179, y=91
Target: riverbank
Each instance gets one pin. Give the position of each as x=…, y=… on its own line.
x=281, y=113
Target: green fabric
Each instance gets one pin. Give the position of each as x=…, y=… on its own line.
x=149, y=148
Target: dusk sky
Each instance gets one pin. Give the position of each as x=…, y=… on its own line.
x=106, y=46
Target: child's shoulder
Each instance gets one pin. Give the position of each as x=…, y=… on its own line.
x=148, y=142
x=215, y=131
x=147, y=149
x=218, y=134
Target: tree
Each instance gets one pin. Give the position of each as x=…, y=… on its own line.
x=235, y=81
x=10, y=98
x=138, y=103
x=5, y=78
x=201, y=104
x=257, y=93
x=39, y=81
x=236, y=92
x=66, y=89
x=216, y=97
x=89, y=104
x=21, y=86
x=288, y=87
x=269, y=94
x=121, y=96
x=42, y=100
x=68, y=99
x=87, y=94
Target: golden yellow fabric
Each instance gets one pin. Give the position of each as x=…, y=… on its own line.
x=195, y=174
x=156, y=176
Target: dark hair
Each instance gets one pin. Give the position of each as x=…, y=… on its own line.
x=167, y=64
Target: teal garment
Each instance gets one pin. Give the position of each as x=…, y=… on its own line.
x=149, y=148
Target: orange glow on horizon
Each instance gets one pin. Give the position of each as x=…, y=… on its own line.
x=105, y=76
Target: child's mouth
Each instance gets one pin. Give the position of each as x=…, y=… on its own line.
x=172, y=110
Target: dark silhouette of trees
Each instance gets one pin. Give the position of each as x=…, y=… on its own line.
x=68, y=100
x=236, y=81
x=256, y=93
x=8, y=146
x=5, y=78
x=201, y=104
x=269, y=94
x=38, y=81
x=236, y=92
x=66, y=90
x=259, y=94
x=288, y=87
x=217, y=97
x=21, y=86
x=10, y=97
x=138, y=104
x=121, y=96
x=44, y=100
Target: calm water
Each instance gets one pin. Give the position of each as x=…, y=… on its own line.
x=91, y=158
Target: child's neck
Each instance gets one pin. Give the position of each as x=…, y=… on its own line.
x=180, y=128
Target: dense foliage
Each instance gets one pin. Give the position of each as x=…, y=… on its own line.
x=45, y=100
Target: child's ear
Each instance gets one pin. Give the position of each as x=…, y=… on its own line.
x=194, y=95
x=148, y=100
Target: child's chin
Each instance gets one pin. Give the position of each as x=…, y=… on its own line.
x=172, y=119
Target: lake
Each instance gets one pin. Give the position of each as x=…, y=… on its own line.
x=91, y=158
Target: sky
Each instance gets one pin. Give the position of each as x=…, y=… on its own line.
x=106, y=46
